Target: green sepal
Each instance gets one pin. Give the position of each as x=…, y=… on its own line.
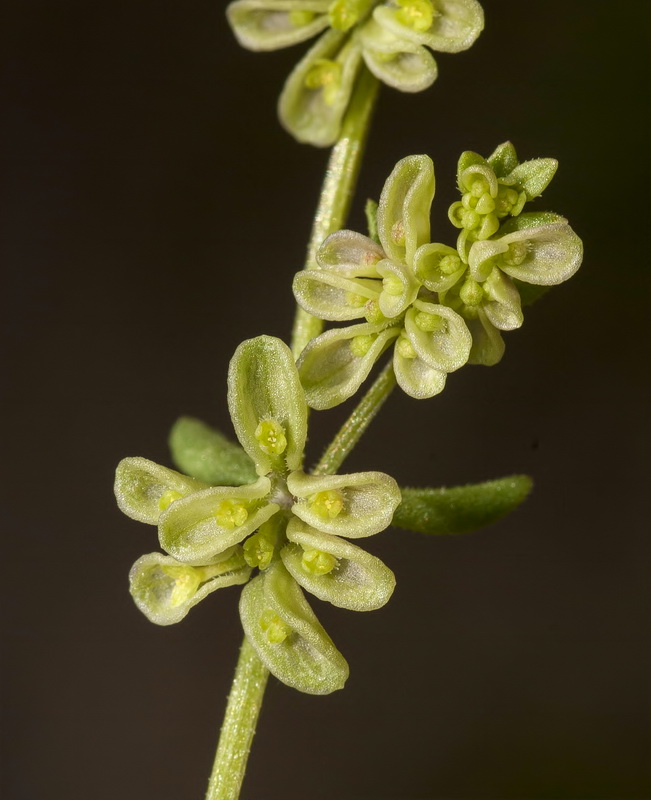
x=533, y=177
x=404, y=208
x=370, y=212
x=197, y=528
x=456, y=24
x=460, y=509
x=143, y=489
x=350, y=254
x=314, y=115
x=264, y=387
x=306, y=659
x=153, y=580
x=206, y=454
x=467, y=159
x=530, y=219
x=359, y=581
x=272, y=24
x=368, y=501
x=329, y=367
x=503, y=159
x=487, y=342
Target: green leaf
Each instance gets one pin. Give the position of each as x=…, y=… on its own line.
x=532, y=176
x=206, y=454
x=462, y=508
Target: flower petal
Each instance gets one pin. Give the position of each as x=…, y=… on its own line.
x=198, y=527
x=350, y=254
x=487, y=342
x=502, y=305
x=272, y=24
x=328, y=295
x=400, y=288
x=358, y=581
x=165, y=589
x=316, y=94
x=403, y=212
x=416, y=378
x=456, y=24
x=335, y=364
x=287, y=636
x=533, y=176
x=398, y=63
x=439, y=335
x=355, y=505
x=267, y=404
x=438, y=266
x=144, y=489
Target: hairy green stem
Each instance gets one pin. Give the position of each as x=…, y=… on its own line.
x=242, y=710
x=337, y=190
x=352, y=430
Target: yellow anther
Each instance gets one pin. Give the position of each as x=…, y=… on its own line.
x=471, y=293
x=516, y=254
x=344, y=14
x=398, y=232
x=230, y=514
x=505, y=201
x=277, y=630
x=259, y=548
x=166, y=499
x=186, y=582
x=373, y=313
x=360, y=345
x=355, y=300
x=271, y=437
x=300, y=18
x=416, y=14
x=318, y=562
x=325, y=74
x=392, y=285
x=430, y=322
x=405, y=348
x=329, y=503
x=449, y=264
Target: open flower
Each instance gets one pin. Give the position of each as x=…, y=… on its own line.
x=390, y=36
x=388, y=284
x=287, y=524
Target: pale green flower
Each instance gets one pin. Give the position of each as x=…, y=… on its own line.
x=389, y=36
x=287, y=524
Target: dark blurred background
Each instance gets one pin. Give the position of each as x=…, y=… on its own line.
x=153, y=213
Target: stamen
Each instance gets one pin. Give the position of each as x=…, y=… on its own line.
x=186, y=582
x=329, y=503
x=271, y=437
x=430, y=322
x=360, y=345
x=166, y=499
x=230, y=514
x=416, y=14
x=318, y=562
x=405, y=348
x=277, y=630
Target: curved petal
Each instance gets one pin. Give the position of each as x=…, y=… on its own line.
x=272, y=24
x=533, y=176
x=328, y=295
x=350, y=254
x=355, y=505
x=143, y=489
x=197, y=528
x=487, y=342
x=403, y=212
x=502, y=305
x=455, y=24
x=165, y=589
x=439, y=335
x=316, y=94
x=287, y=636
x=438, y=266
x=335, y=364
x=267, y=404
x=357, y=581
x=399, y=288
x=416, y=378
x=396, y=62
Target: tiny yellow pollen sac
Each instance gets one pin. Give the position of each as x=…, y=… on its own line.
x=259, y=548
x=271, y=437
x=186, y=582
x=277, y=630
x=449, y=264
x=230, y=514
x=398, y=232
x=343, y=14
x=405, y=348
x=416, y=14
x=471, y=293
x=360, y=345
x=392, y=285
x=430, y=322
x=329, y=503
x=325, y=74
x=166, y=499
x=300, y=18
x=318, y=562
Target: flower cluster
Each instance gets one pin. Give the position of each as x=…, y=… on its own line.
x=442, y=307
x=287, y=524
x=389, y=36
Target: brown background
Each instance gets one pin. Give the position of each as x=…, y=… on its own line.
x=153, y=215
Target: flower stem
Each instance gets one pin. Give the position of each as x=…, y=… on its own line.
x=242, y=710
x=351, y=431
x=337, y=190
